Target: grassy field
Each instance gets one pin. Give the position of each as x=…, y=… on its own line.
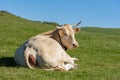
x=99, y=52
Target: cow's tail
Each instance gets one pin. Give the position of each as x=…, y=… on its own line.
x=30, y=57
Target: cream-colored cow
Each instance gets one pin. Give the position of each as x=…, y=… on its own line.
x=49, y=49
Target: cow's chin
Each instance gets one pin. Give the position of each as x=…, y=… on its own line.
x=68, y=47
x=65, y=48
x=72, y=46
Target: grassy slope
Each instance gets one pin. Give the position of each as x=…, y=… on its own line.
x=99, y=52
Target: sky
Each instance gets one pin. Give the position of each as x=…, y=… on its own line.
x=94, y=13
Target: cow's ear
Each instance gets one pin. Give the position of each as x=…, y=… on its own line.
x=76, y=30
x=61, y=33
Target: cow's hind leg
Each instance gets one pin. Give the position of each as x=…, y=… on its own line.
x=59, y=67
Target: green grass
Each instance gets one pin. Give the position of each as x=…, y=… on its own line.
x=99, y=52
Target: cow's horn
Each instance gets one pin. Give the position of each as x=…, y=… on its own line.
x=58, y=27
x=76, y=25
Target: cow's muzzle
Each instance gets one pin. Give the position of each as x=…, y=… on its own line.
x=75, y=45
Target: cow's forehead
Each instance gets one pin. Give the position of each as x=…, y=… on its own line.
x=68, y=28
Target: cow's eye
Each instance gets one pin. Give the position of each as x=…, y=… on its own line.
x=66, y=35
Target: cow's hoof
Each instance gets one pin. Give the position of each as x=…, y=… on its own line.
x=76, y=66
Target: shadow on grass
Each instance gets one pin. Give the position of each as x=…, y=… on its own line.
x=7, y=62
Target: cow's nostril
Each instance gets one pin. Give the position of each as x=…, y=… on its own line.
x=74, y=45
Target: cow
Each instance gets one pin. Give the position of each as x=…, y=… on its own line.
x=49, y=49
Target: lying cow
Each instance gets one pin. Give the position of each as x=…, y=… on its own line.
x=48, y=49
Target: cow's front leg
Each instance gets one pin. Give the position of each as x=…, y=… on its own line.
x=75, y=59
x=69, y=66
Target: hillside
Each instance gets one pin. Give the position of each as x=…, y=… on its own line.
x=14, y=30
x=99, y=51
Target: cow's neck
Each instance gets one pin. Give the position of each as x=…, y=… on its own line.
x=55, y=35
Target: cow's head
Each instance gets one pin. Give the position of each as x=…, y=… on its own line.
x=67, y=36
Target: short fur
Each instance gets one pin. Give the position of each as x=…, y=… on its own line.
x=48, y=49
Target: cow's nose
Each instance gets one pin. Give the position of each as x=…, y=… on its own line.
x=75, y=45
